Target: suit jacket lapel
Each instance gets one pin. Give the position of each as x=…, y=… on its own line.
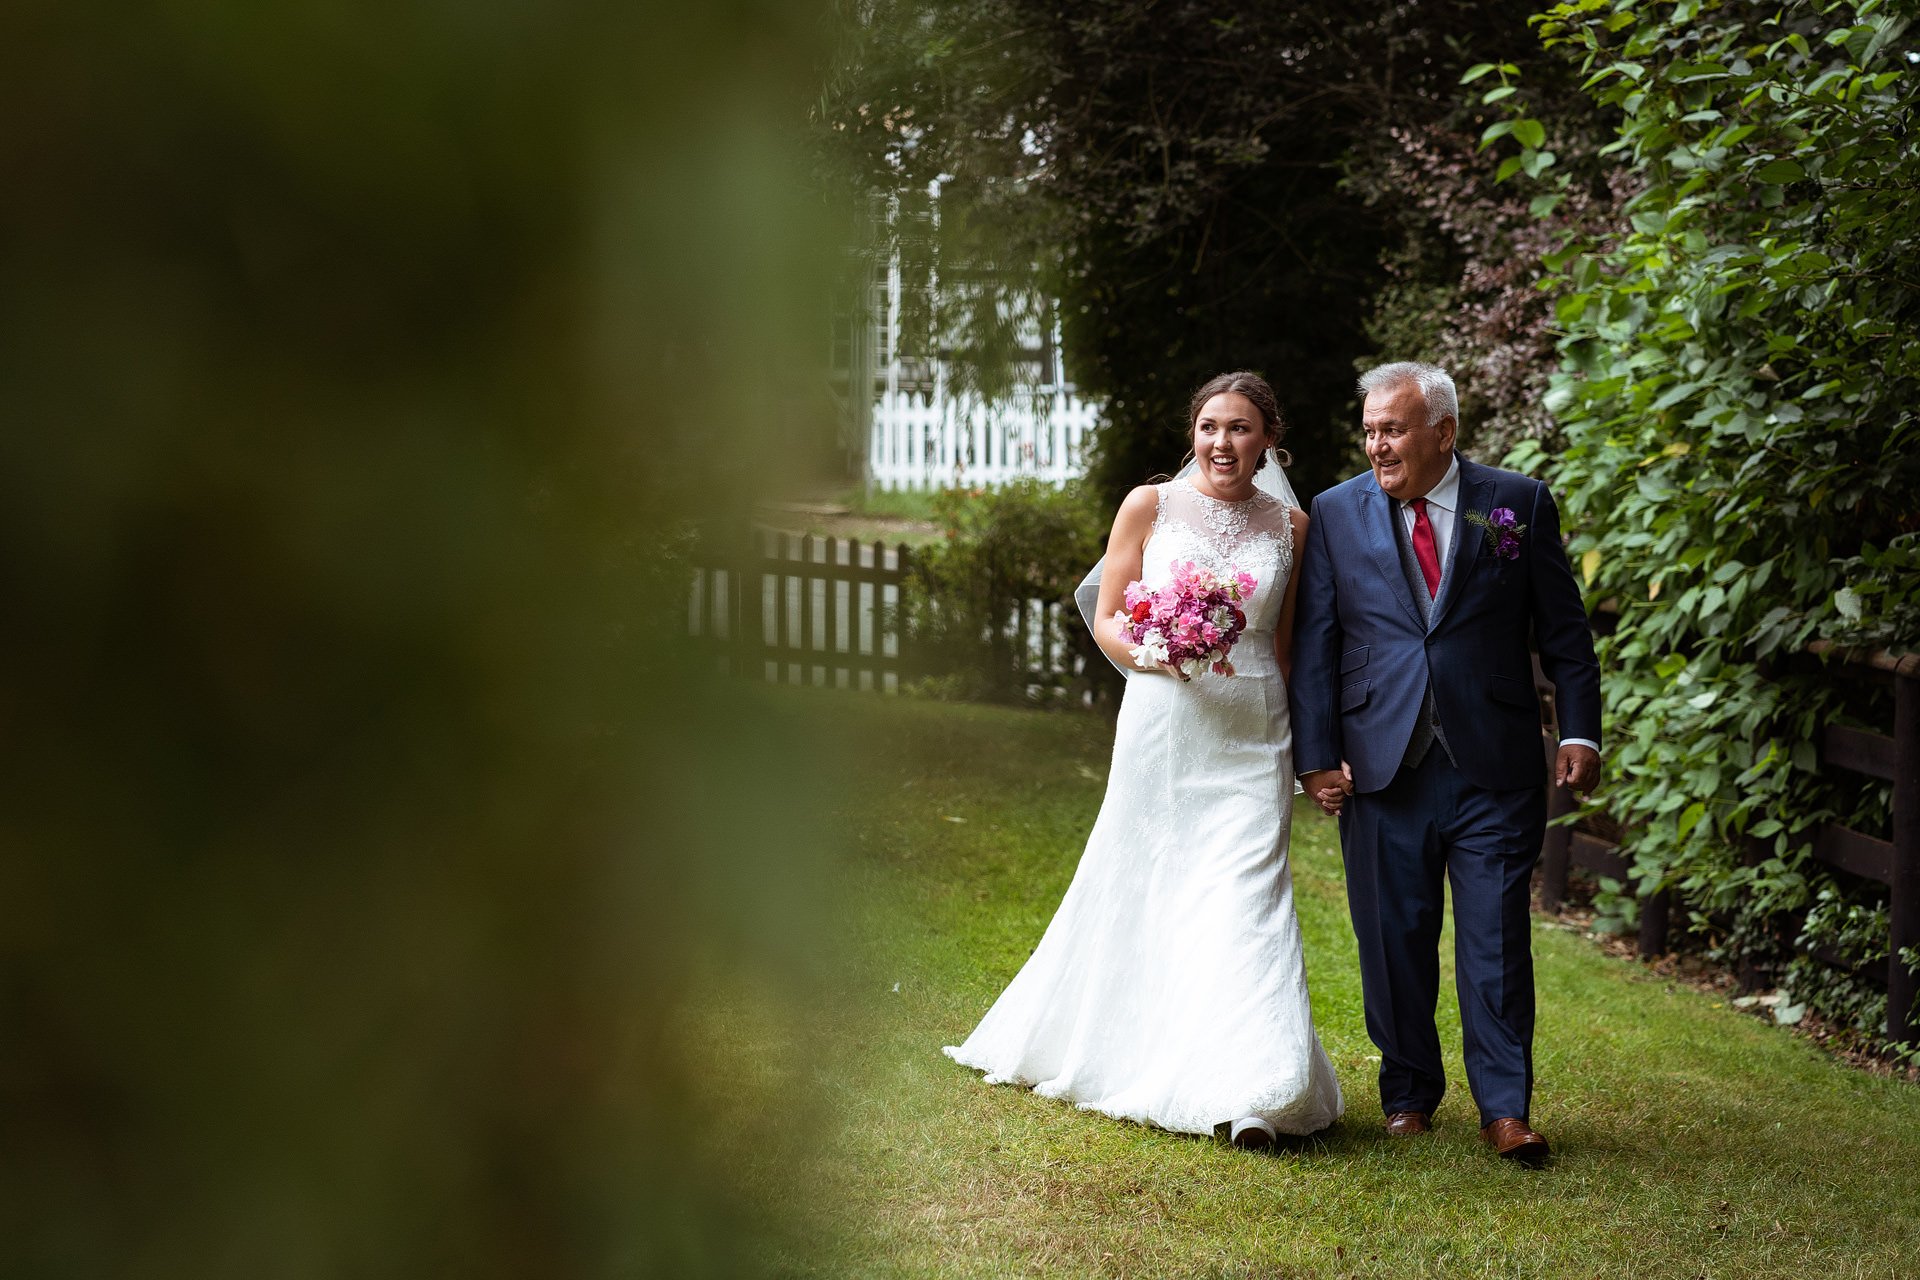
x=1476, y=495
x=1377, y=513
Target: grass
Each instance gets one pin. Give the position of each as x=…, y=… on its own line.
x=1692, y=1141
x=893, y=517
x=894, y=504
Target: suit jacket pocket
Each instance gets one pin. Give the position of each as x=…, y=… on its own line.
x=1355, y=694
x=1354, y=659
x=1517, y=693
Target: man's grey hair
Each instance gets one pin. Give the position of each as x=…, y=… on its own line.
x=1436, y=387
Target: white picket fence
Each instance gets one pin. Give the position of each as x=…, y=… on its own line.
x=942, y=443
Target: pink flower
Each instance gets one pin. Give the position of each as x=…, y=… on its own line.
x=1191, y=623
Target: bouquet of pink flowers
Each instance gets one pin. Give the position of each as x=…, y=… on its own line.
x=1191, y=623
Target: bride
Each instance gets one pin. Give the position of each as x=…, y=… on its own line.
x=1169, y=988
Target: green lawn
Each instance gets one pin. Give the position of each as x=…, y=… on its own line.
x=1691, y=1141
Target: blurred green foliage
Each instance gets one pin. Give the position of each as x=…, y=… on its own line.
x=380, y=862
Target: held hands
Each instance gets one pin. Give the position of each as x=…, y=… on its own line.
x=1577, y=767
x=1329, y=788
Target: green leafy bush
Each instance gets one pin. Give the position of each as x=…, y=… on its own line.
x=1854, y=932
x=1878, y=605
x=1737, y=394
x=1007, y=554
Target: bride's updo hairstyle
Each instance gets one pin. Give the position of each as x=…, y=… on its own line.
x=1254, y=388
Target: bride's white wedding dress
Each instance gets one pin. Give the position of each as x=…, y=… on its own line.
x=1169, y=988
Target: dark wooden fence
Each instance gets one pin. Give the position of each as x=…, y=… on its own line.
x=803, y=610
x=1895, y=863
x=825, y=611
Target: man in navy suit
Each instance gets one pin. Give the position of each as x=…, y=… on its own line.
x=1414, y=719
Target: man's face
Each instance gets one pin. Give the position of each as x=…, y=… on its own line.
x=1408, y=456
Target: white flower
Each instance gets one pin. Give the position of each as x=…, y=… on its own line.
x=1152, y=650
x=1148, y=656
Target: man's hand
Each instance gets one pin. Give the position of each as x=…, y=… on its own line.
x=1577, y=767
x=1329, y=788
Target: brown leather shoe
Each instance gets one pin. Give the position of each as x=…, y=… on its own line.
x=1404, y=1124
x=1515, y=1141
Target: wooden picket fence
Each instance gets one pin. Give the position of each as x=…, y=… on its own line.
x=794, y=609
x=803, y=610
x=1895, y=863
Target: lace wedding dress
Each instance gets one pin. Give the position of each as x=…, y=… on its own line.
x=1169, y=987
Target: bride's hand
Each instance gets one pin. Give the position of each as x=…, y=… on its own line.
x=1329, y=788
x=1175, y=672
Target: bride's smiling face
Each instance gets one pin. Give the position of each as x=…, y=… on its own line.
x=1228, y=439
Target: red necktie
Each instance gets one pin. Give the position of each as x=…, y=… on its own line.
x=1424, y=549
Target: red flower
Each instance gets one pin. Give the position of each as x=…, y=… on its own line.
x=1239, y=619
x=1142, y=610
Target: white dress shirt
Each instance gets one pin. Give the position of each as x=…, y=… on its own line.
x=1443, y=502
x=1443, y=512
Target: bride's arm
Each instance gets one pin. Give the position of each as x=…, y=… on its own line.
x=1131, y=526
x=1283, y=629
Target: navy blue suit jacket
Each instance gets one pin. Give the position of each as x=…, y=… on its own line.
x=1362, y=657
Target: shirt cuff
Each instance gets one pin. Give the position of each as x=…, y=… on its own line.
x=1581, y=742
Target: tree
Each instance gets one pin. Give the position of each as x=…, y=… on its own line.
x=1181, y=179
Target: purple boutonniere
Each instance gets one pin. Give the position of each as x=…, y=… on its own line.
x=1503, y=531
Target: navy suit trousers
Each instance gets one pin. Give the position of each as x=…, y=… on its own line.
x=1401, y=845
